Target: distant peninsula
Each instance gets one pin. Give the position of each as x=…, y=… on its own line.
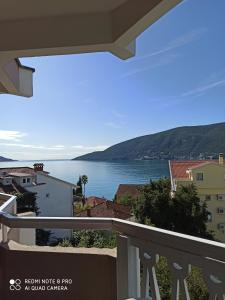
x=3, y=159
x=187, y=142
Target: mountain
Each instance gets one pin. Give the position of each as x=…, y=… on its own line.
x=187, y=142
x=5, y=159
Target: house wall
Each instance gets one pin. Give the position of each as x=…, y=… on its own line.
x=213, y=183
x=19, y=180
x=213, y=178
x=54, y=199
x=24, y=236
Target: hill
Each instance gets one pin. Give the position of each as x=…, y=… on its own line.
x=2, y=159
x=188, y=142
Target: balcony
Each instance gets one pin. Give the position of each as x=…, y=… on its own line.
x=102, y=273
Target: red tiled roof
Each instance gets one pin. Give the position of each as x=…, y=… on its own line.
x=178, y=168
x=26, y=170
x=108, y=209
x=128, y=190
x=93, y=201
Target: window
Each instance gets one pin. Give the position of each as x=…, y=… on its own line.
x=221, y=197
x=199, y=176
x=209, y=217
x=221, y=226
x=24, y=180
x=207, y=197
x=47, y=195
x=28, y=180
x=221, y=210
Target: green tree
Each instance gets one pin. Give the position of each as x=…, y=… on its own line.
x=84, y=180
x=184, y=213
x=43, y=237
x=79, y=190
x=125, y=200
x=27, y=202
x=155, y=204
x=189, y=214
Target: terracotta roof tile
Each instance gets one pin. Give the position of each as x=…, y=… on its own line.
x=108, y=209
x=128, y=190
x=178, y=168
x=26, y=170
x=93, y=201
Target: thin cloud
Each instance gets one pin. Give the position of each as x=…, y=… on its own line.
x=180, y=41
x=11, y=135
x=201, y=89
x=191, y=94
x=162, y=62
x=118, y=114
x=30, y=146
x=113, y=125
x=90, y=148
x=59, y=146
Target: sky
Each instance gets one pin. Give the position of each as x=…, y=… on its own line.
x=88, y=102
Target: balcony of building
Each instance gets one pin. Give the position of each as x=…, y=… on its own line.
x=127, y=272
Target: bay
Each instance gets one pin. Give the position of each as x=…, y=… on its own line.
x=103, y=177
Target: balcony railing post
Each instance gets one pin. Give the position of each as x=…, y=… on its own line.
x=128, y=269
x=15, y=208
x=4, y=234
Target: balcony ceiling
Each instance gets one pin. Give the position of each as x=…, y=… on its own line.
x=46, y=8
x=53, y=27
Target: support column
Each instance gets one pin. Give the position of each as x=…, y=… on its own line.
x=128, y=269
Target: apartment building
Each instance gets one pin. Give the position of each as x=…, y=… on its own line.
x=209, y=178
x=54, y=196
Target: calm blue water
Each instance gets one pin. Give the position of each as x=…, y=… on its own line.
x=103, y=177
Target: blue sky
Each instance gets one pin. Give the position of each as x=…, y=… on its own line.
x=88, y=102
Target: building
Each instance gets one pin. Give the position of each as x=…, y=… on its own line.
x=35, y=28
x=209, y=178
x=128, y=191
x=108, y=209
x=93, y=201
x=54, y=196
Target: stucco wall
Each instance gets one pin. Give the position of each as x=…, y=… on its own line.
x=54, y=199
x=93, y=275
x=213, y=183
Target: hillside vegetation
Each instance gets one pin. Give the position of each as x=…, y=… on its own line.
x=5, y=159
x=188, y=142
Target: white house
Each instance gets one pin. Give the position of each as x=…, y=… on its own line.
x=54, y=196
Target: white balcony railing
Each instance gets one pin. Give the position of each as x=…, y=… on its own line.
x=139, y=245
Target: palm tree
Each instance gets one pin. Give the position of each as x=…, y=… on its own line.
x=84, y=180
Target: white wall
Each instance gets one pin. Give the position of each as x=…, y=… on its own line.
x=19, y=180
x=59, y=203
x=25, y=236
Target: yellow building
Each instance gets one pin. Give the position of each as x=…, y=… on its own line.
x=209, y=178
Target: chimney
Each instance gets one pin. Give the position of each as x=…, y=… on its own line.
x=38, y=167
x=221, y=159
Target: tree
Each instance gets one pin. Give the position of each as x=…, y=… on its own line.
x=79, y=190
x=155, y=204
x=189, y=214
x=84, y=180
x=27, y=202
x=184, y=213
